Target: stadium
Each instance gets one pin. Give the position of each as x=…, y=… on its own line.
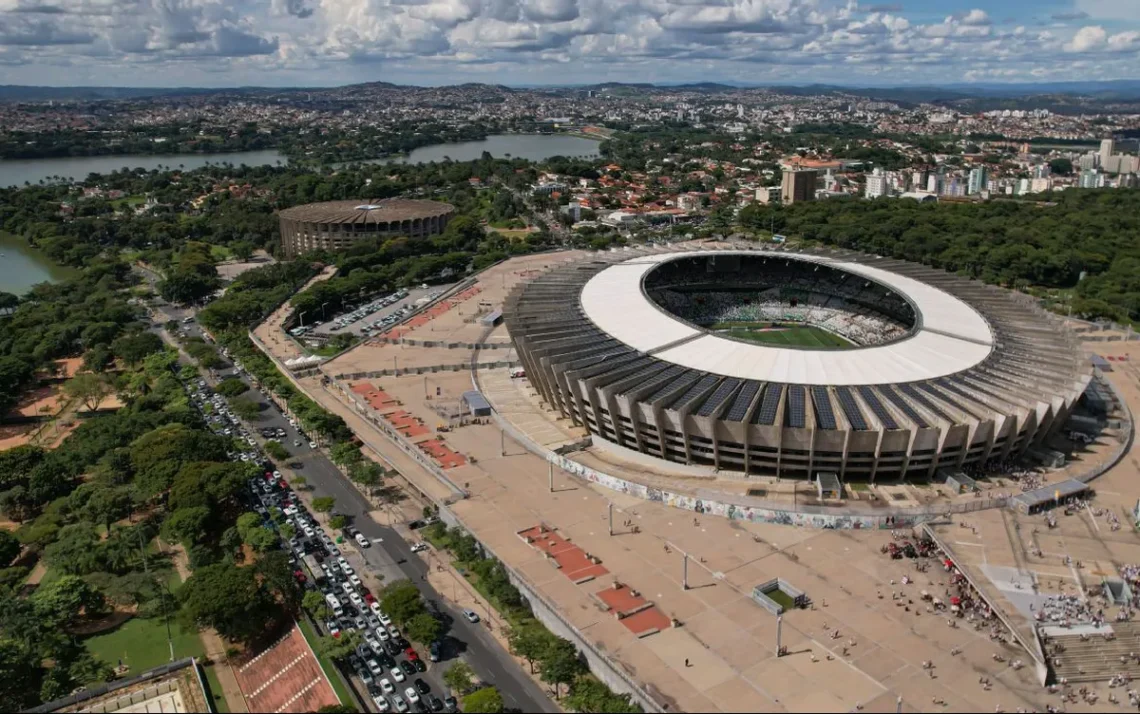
x=763, y=362
x=336, y=225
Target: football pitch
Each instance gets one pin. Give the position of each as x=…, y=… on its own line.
x=787, y=335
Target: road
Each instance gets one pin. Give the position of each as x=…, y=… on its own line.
x=390, y=555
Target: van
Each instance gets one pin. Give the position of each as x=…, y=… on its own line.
x=334, y=604
x=187, y=320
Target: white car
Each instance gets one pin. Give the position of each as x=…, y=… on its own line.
x=356, y=600
x=393, y=632
x=397, y=674
x=417, y=547
x=362, y=541
x=312, y=444
x=400, y=704
x=374, y=667
x=386, y=686
x=412, y=695
x=381, y=703
x=383, y=617
x=375, y=607
x=383, y=635
x=354, y=579
x=471, y=616
x=343, y=564
x=373, y=644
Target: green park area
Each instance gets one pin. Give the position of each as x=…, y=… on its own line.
x=141, y=644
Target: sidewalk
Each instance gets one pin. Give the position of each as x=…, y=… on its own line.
x=213, y=645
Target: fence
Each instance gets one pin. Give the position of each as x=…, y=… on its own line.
x=429, y=369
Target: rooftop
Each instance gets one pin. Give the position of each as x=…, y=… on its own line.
x=366, y=211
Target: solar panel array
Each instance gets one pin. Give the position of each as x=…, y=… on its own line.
x=824, y=415
x=766, y=414
x=637, y=379
x=691, y=393
x=739, y=408
x=936, y=392
x=796, y=415
x=903, y=405
x=877, y=407
x=718, y=397
x=851, y=409
x=672, y=385
x=657, y=379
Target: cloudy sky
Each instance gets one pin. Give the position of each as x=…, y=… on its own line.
x=527, y=42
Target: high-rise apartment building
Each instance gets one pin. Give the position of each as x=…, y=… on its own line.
x=1107, y=149
x=977, y=181
x=797, y=185
x=876, y=185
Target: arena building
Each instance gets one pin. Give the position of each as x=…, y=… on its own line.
x=794, y=364
x=336, y=225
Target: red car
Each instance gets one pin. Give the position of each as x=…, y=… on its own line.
x=300, y=576
x=411, y=653
x=369, y=598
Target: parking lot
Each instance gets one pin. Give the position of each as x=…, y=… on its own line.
x=376, y=315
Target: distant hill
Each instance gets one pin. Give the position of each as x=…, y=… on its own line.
x=1107, y=91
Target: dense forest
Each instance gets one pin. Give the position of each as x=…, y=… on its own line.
x=1051, y=243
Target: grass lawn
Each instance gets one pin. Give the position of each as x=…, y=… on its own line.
x=792, y=336
x=128, y=202
x=220, y=704
x=330, y=669
x=219, y=253
x=513, y=234
x=141, y=644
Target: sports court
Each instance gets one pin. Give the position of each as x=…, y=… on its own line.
x=778, y=334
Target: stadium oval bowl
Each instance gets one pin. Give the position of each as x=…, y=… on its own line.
x=940, y=372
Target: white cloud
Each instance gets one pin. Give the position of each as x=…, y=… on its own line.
x=1087, y=38
x=322, y=41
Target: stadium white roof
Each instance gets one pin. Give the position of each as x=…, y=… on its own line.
x=952, y=336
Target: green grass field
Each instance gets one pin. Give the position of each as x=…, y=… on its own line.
x=791, y=335
x=141, y=644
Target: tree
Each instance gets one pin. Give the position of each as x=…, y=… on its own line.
x=276, y=450
x=529, y=642
x=229, y=599
x=324, y=504
x=75, y=550
x=1061, y=167
x=22, y=672
x=133, y=349
x=231, y=387
x=401, y=600
x=345, y=453
x=460, y=677
x=90, y=389
x=107, y=505
x=337, y=522
x=9, y=548
x=188, y=526
x=561, y=663
x=65, y=602
x=483, y=701
x=16, y=464
x=315, y=604
x=340, y=647
x=246, y=409
x=589, y=695
x=423, y=628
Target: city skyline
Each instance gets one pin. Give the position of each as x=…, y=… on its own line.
x=209, y=43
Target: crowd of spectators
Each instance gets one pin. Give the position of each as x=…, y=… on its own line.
x=793, y=303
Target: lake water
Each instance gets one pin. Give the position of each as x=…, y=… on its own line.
x=534, y=147
x=14, y=172
x=21, y=266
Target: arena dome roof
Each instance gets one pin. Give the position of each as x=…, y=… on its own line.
x=951, y=336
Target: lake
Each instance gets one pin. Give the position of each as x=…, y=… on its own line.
x=534, y=147
x=14, y=172
x=21, y=266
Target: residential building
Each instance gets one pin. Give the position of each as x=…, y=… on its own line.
x=977, y=180
x=876, y=185
x=798, y=185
